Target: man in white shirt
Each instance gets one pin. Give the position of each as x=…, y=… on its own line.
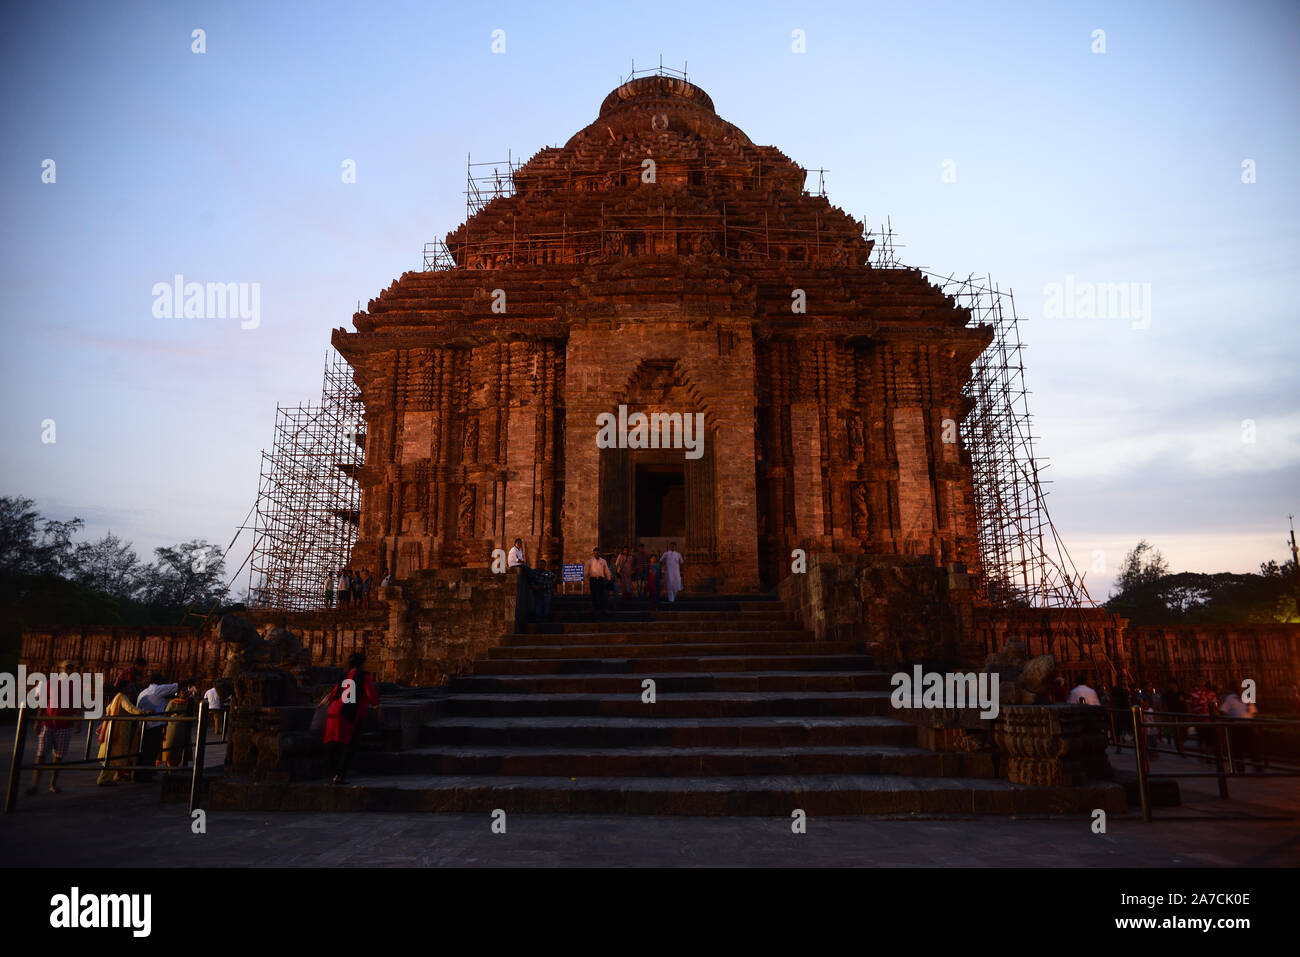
x=1234, y=707
x=153, y=700
x=215, y=706
x=1082, y=694
x=598, y=576
x=516, y=556
x=1241, y=740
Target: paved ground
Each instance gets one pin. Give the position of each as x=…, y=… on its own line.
x=87, y=826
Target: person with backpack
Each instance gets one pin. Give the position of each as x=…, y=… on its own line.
x=349, y=702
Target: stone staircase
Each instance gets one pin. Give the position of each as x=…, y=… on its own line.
x=750, y=717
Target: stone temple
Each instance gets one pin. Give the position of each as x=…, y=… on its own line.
x=663, y=262
x=658, y=268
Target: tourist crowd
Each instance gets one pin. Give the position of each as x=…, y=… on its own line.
x=1179, y=711
x=638, y=574
x=352, y=588
x=124, y=744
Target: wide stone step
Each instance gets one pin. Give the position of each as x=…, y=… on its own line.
x=644, y=648
x=658, y=636
x=686, y=601
x=674, y=762
x=621, y=732
x=682, y=682
x=612, y=665
x=669, y=705
x=576, y=609
x=723, y=621
x=768, y=795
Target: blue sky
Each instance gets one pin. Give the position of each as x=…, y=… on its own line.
x=1115, y=167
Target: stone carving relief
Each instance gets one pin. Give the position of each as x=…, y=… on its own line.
x=858, y=494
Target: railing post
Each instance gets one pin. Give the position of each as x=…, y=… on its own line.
x=1140, y=752
x=1227, y=747
x=200, y=749
x=108, y=750
x=16, y=765
x=1218, y=761
x=90, y=731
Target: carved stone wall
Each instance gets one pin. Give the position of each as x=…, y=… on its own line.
x=826, y=384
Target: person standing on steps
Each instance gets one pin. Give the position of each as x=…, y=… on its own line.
x=654, y=581
x=672, y=562
x=624, y=564
x=543, y=583
x=598, y=577
x=642, y=563
x=348, y=703
x=517, y=565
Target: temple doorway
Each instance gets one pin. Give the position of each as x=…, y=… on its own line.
x=659, y=503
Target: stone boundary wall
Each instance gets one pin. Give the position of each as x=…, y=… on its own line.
x=330, y=636
x=1267, y=652
x=1087, y=641
x=435, y=624
x=183, y=651
x=177, y=651
x=908, y=610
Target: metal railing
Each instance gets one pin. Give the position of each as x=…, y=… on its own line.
x=110, y=762
x=1227, y=763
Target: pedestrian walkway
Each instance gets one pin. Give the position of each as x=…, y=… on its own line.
x=88, y=826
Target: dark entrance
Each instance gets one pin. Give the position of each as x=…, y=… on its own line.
x=660, y=503
x=657, y=496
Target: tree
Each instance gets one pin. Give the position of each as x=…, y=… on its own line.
x=1142, y=566
x=30, y=545
x=1149, y=595
x=188, y=575
x=110, y=566
x=1287, y=582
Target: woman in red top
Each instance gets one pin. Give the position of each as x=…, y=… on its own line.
x=349, y=701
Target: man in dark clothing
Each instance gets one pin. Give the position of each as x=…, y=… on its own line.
x=598, y=576
x=1175, y=702
x=641, y=569
x=1123, y=723
x=523, y=596
x=543, y=583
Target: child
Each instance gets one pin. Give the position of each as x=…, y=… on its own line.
x=652, y=580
